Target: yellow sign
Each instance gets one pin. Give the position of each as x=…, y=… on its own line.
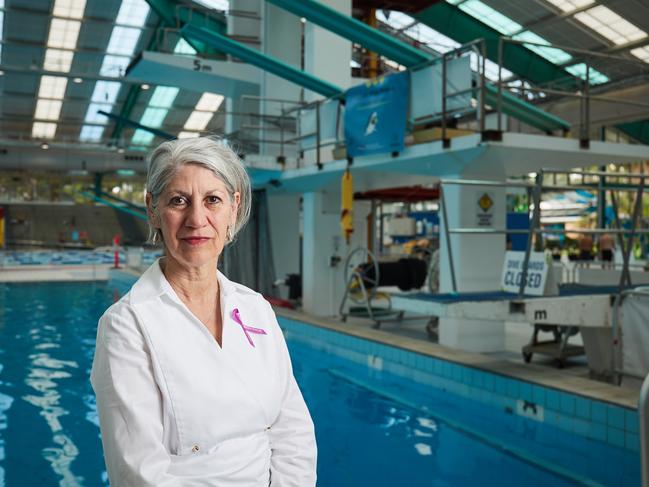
x=485, y=202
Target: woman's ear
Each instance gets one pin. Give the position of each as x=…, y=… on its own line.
x=150, y=211
x=236, y=201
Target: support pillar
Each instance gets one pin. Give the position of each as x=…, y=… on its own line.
x=477, y=261
x=323, y=282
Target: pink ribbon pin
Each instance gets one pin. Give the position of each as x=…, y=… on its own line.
x=246, y=329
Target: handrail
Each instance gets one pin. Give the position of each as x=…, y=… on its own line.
x=643, y=413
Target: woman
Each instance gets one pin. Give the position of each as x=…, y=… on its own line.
x=193, y=379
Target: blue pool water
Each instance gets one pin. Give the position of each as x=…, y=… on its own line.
x=373, y=427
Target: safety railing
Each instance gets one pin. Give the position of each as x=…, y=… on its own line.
x=535, y=232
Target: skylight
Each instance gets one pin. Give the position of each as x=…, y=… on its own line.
x=570, y=5
x=61, y=42
x=44, y=130
x=71, y=9
x=63, y=33
x=552, y=54
x=114, y=65
x=487, y=15
x=58, y=60
x=48, y=109
x=215, y=4
x=183, y=47
x=641, y=53
x=595, y=77
x=123, y=40
x=153, y=117
x=52, y=87
x=433, y=39
x=198, y=120
x=91, y=133
x=610, y=25
x=133, y=13
x=187, y=135
x=163, y=96
x=106, y=91
x=394, y=19
x=93, y=115
x=142, y=137
x=2, y=5
x=131, y=17
x=209, y=102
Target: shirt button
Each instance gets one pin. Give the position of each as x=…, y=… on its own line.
x=195, y=448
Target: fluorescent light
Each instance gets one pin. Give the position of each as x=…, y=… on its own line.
x=123, y=40
x=52, y=87
x=48, y=109
x=183, y=47
x=209, y=102
x=133, y=13
x=487, y=15
x=145, y=86
x=610, y=25
x=552, y=54
x=594, y=76
x=187, y=135
x=43, y=130
x=77, y=80
x=641, y=53
x=71, y=9
x=114, y=65
x=63, y=33
x=106, y=91
x=163, y=96
x=198, y=120
x=93, y=115
x=570, y=5
x=91, y=133
x=58, y=60
x=142, y=137
x=153, y=117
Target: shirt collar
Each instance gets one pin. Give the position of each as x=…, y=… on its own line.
x=153, y=283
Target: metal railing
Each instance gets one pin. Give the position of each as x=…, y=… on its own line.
x=535, y=232
x=643, y=414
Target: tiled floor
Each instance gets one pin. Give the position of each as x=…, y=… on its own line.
x=411, y=335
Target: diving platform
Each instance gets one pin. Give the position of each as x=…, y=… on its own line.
x=468, y=156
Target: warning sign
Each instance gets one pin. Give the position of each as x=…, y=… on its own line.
x=485, y=213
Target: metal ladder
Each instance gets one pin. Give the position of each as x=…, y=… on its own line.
x=643, y=413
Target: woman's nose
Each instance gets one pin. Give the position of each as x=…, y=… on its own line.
x=196, y=216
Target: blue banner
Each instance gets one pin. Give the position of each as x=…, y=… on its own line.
x=375, y=115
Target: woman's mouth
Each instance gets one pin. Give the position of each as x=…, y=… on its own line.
x=194, y=241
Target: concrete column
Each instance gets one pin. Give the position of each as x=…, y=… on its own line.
x=284, y=216
x=323, y=285
x=245, y=27
x=281, y=39
x=327, y=55
x=477, y=260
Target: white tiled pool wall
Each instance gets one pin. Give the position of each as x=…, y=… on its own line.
x=577, y=414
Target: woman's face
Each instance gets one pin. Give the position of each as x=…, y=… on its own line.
x=193, y=214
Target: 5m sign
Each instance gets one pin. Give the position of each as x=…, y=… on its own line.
x=537, y=273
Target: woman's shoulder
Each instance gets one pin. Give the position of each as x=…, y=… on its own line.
x=119, y=320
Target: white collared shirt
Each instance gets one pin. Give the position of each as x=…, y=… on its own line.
x=175, y=409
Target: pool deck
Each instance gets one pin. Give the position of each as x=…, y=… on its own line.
x=411, y=335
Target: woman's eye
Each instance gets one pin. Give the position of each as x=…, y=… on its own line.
x=213, y=199
x=177, y=200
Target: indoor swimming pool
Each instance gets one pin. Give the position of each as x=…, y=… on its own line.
x=383, y=417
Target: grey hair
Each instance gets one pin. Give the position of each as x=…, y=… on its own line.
x=209, y=152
